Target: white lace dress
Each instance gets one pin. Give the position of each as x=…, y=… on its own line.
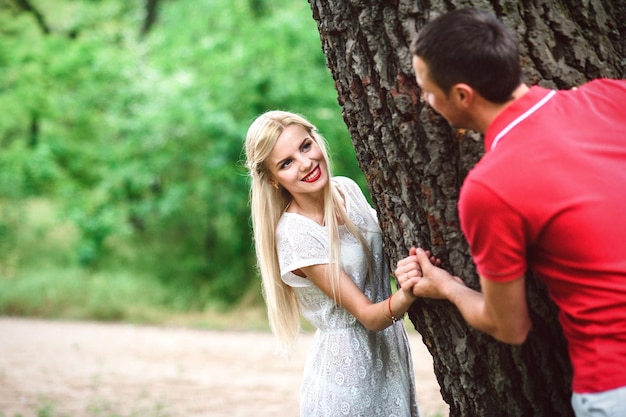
x=350, y=371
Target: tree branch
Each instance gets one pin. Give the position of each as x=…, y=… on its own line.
x=151, y=17
x=26, y=6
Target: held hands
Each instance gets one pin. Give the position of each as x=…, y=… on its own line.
x=420, y=272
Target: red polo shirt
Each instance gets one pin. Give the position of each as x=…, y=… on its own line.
x=550, y=194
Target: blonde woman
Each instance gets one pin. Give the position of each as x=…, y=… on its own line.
x=320, y=254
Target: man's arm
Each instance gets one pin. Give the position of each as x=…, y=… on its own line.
x=500, y=309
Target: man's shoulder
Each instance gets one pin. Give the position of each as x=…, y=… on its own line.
x=603, y=88
x=602, y=83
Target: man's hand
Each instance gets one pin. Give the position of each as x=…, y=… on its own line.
x=435, y=282
x=408, y=270
x=500, y=310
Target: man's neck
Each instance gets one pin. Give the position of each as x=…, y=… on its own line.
x=488, y=111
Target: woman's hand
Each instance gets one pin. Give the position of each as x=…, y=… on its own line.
x=408, y=269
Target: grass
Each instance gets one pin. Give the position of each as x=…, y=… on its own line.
x=45, y=408
x=73, y=294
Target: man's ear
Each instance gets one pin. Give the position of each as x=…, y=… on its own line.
x=463, y=95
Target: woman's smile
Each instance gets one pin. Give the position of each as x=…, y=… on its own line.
x=313, y=175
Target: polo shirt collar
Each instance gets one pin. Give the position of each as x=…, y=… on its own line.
x=518, y=107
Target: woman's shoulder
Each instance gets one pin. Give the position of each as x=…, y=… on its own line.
x=346, y=184
x=344, y=180
x=350, y=189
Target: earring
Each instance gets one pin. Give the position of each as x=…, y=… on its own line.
x=275, y=185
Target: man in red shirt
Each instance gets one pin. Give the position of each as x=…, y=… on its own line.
x=549, y=194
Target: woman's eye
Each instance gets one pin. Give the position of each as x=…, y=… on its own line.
x=306, y=146
x=285, y=164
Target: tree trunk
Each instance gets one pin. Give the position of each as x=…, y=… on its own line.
x=414, y=164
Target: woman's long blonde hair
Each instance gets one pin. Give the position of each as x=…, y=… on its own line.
x=268, y=204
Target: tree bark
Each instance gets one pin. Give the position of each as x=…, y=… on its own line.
x=415, y=163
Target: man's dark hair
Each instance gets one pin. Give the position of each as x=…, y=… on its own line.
x=473, y=47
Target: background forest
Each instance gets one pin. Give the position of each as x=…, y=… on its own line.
x=122, y=190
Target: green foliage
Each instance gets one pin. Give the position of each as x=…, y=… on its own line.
x=137, y=141
x=79, y=294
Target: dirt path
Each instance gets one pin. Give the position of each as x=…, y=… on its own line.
x=83, y=369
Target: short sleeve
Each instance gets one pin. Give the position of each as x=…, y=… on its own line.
x=299, y=243
x=495, y=233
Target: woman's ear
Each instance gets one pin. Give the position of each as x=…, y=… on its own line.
x=274, y=183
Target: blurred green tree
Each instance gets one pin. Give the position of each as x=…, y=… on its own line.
x=135, y=130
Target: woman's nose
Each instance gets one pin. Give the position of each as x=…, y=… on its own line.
x=305, y=163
